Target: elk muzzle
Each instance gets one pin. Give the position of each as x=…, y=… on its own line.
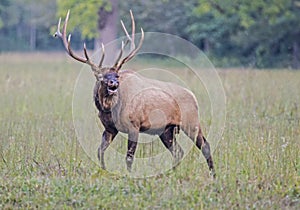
x=111, y=82
x=112, y=86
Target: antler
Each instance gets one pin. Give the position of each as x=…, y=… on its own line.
x=133, y=49
x=67, y=45
x=95, y=68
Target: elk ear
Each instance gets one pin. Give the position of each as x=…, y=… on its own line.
x=99, y=76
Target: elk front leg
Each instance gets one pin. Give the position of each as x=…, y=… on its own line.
x=132, y=144
x=107, y=138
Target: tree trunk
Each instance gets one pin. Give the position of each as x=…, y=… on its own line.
x=206, y=46
x=32, y=43
x=107, y=27
x=107, y=24
x=19, y=31
x=296, y=63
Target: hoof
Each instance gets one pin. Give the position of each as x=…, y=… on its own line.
x=212, y=173
x=129, y=161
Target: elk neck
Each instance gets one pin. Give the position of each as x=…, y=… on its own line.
x=104, y=101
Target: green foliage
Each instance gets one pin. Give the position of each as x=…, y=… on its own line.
x=262, y=33
x=169, y=16
x=84, y=15
x=256, y=33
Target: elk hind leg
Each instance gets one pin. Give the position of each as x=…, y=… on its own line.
x=169, y=140
x=203, y=145
x=132, y=144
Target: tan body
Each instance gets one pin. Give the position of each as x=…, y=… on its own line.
x=150, y=105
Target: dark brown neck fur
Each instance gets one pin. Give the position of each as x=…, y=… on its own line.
x=103, y=101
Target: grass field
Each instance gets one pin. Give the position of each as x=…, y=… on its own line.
x=43, y=166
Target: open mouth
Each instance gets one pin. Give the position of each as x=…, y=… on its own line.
x=112, y=90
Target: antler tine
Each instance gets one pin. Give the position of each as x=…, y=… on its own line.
x=131, y=39
x=132, y=30
x=61, y=35
x=140, y=43
x=85, y=52
x=73, y=55
x=67, y=43
x=120, y=55
x=102, y=57
x=125, y=30
x=121, y=52
x=58, y=33
x=64, y=34
x=132, y=53
x=133, y=49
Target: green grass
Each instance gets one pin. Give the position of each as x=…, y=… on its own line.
x=43, y=166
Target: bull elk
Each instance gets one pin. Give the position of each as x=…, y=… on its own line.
x=130, y=103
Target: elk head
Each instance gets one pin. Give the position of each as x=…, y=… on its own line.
x=108, y=76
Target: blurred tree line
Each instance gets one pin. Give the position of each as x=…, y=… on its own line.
x=24, y=24
x=258, y=33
